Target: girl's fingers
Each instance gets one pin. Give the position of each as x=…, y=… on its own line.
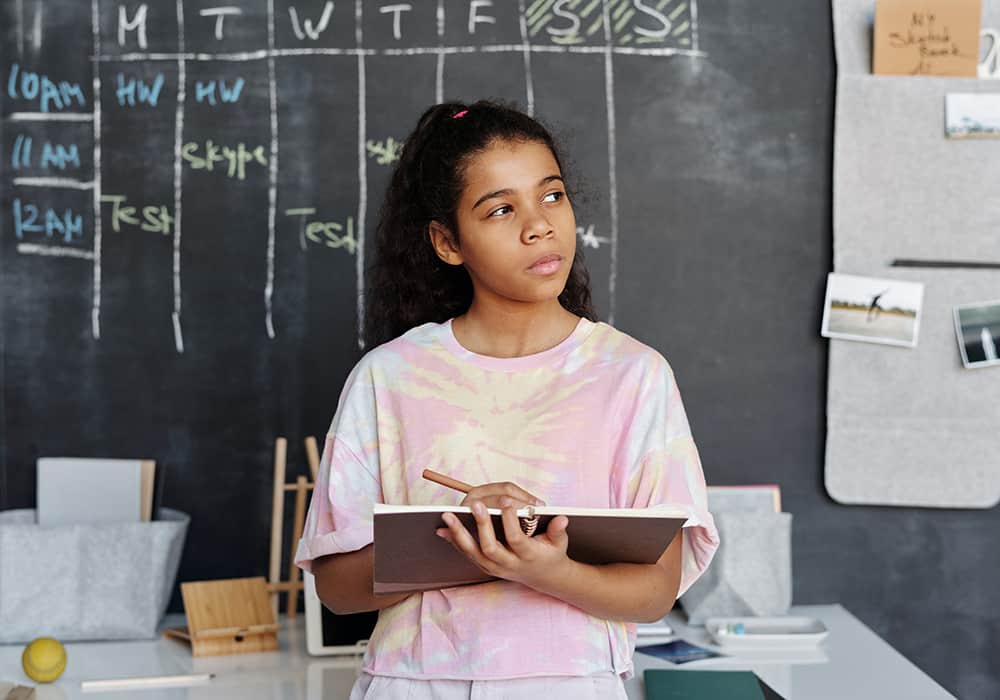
x=463, y=541
x=488, y=553
x=493, y=492
x=488, y=544
x=516, y=539
x=556, y=531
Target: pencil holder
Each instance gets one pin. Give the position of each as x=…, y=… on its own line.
x=94, y=581
x=751, y=573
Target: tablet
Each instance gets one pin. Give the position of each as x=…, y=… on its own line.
x=328, y=634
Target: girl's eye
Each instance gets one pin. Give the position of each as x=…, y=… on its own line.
x=500, y=210
x=555, y=196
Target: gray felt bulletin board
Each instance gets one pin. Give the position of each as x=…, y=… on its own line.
x=911, y=426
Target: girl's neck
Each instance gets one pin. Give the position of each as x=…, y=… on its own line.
x=498, y=332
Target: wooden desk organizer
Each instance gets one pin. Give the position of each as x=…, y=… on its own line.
x=229, y=616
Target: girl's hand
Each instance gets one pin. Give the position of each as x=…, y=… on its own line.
x=533, y=561
x=491, y=495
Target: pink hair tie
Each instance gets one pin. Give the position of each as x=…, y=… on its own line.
x=460, y=114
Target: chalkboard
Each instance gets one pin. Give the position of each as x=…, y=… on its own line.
x=188, y=190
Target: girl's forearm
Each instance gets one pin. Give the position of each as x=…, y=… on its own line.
x=344, y=583
x=625, y=592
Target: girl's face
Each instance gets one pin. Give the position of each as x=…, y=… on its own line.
x=517, y=232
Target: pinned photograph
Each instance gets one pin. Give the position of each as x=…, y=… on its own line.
x=977, y=327
x=872, y=310
x=972, y=115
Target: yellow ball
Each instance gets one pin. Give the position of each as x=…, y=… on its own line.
x=44, y=659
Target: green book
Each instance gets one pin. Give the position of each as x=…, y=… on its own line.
x=669, y=684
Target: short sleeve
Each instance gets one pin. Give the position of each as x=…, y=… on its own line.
x=347, y=484
x=660, y=466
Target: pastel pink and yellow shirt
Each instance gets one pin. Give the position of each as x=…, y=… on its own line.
x=595, y=421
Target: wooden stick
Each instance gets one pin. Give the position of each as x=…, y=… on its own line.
x=312, y=454
x=298, y=523
x=438, y=478
x=277, y=516
x=284, y=587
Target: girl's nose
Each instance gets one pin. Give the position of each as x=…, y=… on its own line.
x=536, y=228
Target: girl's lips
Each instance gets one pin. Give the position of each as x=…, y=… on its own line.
x=547, y=265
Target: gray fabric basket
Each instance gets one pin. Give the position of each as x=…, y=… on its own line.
x=81, y=582
x=751, y=573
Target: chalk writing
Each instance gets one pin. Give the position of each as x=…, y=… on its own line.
x=330, y=234
x=476, y=18
x=130, y=91
x=638, y=21
x=206, y=91
x=307, y=25
x=138, y=22
x=25, y=85
x=30, y=218
x=384, y=152
x=236, y=159
x=220, y=14
x=396, y=11
x=588, y=239
x=156, y=218
x=53, y=155
x=59, y=156
x=21, y=152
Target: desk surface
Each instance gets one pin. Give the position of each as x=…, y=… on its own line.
x=852, y=662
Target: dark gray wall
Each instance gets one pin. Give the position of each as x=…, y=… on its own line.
x=723, y=226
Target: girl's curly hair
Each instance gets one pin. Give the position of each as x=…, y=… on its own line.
x=408, y=283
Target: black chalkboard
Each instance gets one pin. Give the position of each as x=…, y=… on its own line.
x=199, y=295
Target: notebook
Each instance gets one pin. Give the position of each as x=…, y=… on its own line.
x=671, y=684
x=410, y=557
x=74, y=490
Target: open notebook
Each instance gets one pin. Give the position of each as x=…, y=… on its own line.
x=410, y=557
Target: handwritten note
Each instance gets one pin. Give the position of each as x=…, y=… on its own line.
x=927, y=37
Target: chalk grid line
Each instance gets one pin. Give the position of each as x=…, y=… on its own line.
x=272, y=174
x=95, y=309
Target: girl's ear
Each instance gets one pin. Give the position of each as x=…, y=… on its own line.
x=444, y=244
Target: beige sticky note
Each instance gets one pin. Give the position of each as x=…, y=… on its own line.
x=927, y=37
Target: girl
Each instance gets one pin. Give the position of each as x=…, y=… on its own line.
x=489, y=366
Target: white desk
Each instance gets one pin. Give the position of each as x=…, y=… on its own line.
x=853, y=662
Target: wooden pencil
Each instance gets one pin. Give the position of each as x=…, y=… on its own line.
x=439, y=478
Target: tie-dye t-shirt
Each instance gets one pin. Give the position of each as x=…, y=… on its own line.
x=595, y=421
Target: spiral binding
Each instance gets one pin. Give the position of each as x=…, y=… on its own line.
x=529, y=524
